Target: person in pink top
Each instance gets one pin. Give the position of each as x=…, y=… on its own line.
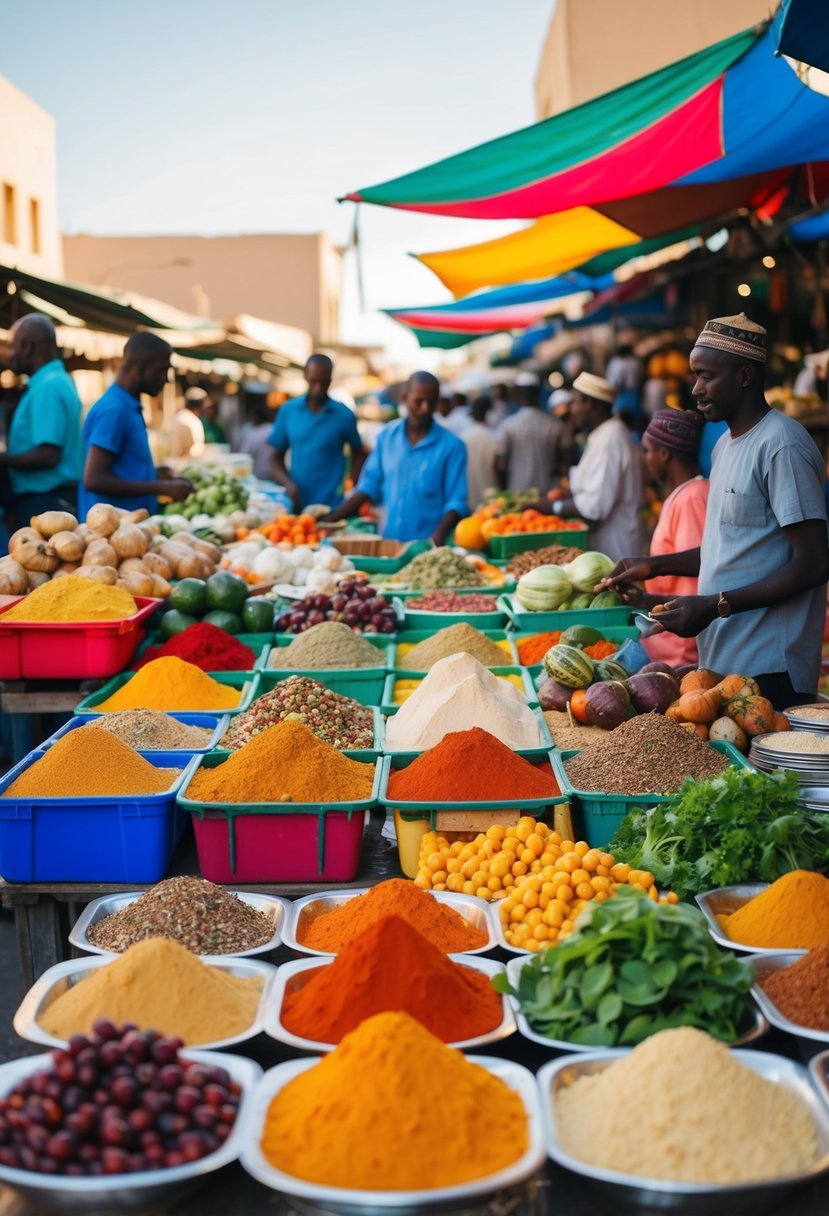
x=670, y=446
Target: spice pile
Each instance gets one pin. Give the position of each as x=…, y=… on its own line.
x=171, y=684
x=192, y=911
x=457, y=694
x=206, y=647
x=338, y=720
x=90, y=763
x=157, y=984
x=531, y=559
x=791, y=914
x=285, y=763
x=705, y=1117
x=317, y=1127
x=328, y=646
x=645, y=755
x=801, y=992
x=73, y=599
x=471, y=766
x=391, y=966
x=455, y=639
x=445, y=928
x=437, y=569
x=150, y=730
x=448, y=601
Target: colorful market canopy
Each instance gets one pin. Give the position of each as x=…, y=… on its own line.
x=803, y=33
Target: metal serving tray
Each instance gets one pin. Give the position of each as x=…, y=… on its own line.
x=682, y=1197
x=290, y=977
x=728, y=899
x=347, y=1202
x=525, y=1029
x=763, y=963
x=63, y=975
x=128, y=1191
x=476, y=911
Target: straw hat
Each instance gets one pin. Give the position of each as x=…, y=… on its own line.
x=595, y=387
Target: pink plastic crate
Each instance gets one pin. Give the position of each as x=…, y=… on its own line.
x=68, y=650
x=303, y=847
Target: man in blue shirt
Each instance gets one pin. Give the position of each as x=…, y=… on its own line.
x=417, y=470
x=44, y=445
x=118, y=466
x=315, y=429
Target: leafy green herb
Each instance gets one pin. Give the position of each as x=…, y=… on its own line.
x=634, y=967
x=741, y=826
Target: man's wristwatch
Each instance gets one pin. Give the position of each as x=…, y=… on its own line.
x=723, y=606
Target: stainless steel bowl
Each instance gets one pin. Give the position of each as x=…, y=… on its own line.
x=762, y=964
x=726, y=900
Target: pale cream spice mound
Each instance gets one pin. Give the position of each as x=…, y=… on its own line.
x=701, y=1117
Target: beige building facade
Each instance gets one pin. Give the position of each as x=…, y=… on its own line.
x=29, y=233
x=289, y=279
x=593, y=46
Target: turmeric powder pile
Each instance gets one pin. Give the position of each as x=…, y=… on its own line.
x=791, y=914
x=325, y=1126
x=90, y=763
x=73, y=599
x=171, y=684
x=159, y=985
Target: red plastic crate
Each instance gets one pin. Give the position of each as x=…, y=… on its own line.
x=281, y=847
x=70, y=650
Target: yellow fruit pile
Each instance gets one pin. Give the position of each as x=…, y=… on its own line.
x=542, y=881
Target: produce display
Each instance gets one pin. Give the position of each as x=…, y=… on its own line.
x=214, y=493
x=258, y=560
x=296, y=529
x=221, y=600
x=532, y=650
x=471, y=766
x=193, y=912
x=632, y=968
x=356, y=603
x=157, y=984
x=799, y=991
x=338, y=720
x=730, y=708
x=646, y=755
x=742, y=826
x=529, y=520
x=454, y=639
x=147, y=729
x=205, y=646
x=556, y=588
x=449, y=601
x=90, y=763
x=100, y=1109
x=551, y=555
x=171, y=684
x=791, y=914
x=328, y=646
x=717, y=1121
x=439, y=569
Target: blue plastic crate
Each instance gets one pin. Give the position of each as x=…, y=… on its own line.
x=118, y=839
x=215, y=722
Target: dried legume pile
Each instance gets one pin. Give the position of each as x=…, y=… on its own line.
x=455, y=639
x=150, y=730
x=553, y=555
x=645, y=755
x=192, y=911
x=450, y=601
x=335, y=719
x=436, y=569
x=568, y=737
x=328, y=646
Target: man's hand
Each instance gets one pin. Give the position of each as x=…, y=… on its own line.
x=688, y=615
x=627, y=570
x=177, y=489
x=632, y=594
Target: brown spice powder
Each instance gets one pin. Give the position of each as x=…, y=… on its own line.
x=801, y=992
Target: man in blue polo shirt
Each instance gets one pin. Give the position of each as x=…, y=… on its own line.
x=44, y=447
x=315, y=429
x=119, y=467
x=417, y=470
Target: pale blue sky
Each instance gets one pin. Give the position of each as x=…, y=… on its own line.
x=209, y=117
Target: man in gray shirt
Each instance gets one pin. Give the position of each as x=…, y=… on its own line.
x=530, y=448
x=764, y=559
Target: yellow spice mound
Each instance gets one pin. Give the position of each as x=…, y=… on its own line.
x=159, y=985
x=329, y=1125
x=791, y=914
x=171, y=684
x=90, y=763
x=73, y=599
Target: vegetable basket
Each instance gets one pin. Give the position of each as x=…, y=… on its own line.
x=374, y=555
x=247, y=682
x=430, y=621
x=70, y=650
x=519, y=542
x=541, y=622
x=363, y=684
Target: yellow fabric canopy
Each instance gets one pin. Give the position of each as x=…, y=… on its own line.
x=552, y=245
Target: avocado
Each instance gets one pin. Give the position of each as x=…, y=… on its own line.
x=231, y=622
x=226, y=591
x=174, y=622
x=190, y=596
x=257, y=615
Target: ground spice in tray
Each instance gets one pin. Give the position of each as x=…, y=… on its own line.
x=552, y=555
x=801, y=992
x=455, y=639
x=471, y=766
x=338, y=720
x=328, y=646
x=645, y=755
x=150, y=730
x=192, y=911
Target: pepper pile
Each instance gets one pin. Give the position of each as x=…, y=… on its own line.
x=205, y=646
x=335, y=719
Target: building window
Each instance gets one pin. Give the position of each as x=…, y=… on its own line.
x=34, y=224
x=9, y=215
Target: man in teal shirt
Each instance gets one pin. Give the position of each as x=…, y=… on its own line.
x=44, y=444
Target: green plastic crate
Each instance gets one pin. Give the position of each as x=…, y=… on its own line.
x=602, y=813
x=246, y=681
x=543, y=622
x=367, y=755
x=521, y=542
x=386, y=565
x=257, y=642
x=388, y=705
x=363, y=684
x=414, y=636
x=431, y=622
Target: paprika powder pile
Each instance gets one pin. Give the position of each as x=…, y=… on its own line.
x=791, y=914
x=390, y=966
x=171, y=684
x=801, y=992
x=206, y=647
x=471, y=766
x=331, y=931
x=90, y=763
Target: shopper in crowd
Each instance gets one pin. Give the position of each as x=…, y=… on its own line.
x=481, y=443
x=626, y=373
x=43, y=455
x=118, y=465
x=316, y=430
x=417, y=471
x=530, y=451
x=255, y=443
x=187, y=437
x=502, y=405
x=764, y=558
x=213, y=429
x=456, y=415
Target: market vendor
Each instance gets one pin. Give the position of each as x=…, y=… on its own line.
x=417, y=471
x=764, y=558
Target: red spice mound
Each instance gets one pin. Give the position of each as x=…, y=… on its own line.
x=471, y=766
x=389, y=968
x=444, y=927
x=205, y=646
